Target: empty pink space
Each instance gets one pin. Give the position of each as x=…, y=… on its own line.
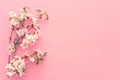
x=82, y=38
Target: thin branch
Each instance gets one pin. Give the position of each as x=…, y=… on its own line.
x=10, y=38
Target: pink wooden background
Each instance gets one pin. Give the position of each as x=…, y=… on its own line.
x=81, y=36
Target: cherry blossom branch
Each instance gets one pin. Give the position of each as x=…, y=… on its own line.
x=23, y=38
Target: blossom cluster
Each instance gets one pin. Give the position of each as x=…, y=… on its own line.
x=16, y=65
x=25, y=35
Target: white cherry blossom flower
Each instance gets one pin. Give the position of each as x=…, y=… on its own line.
x=34, y=20
x=14, y=21
x=44, y=17
x=10, y=73
x=12, y=14
x=25, y=43
x=21, y=32
x=32, y=59
x=24, y=15
x=9, y=66
x=28, y=14
x=43, y=14
x=31, y=37
x=11, y=48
